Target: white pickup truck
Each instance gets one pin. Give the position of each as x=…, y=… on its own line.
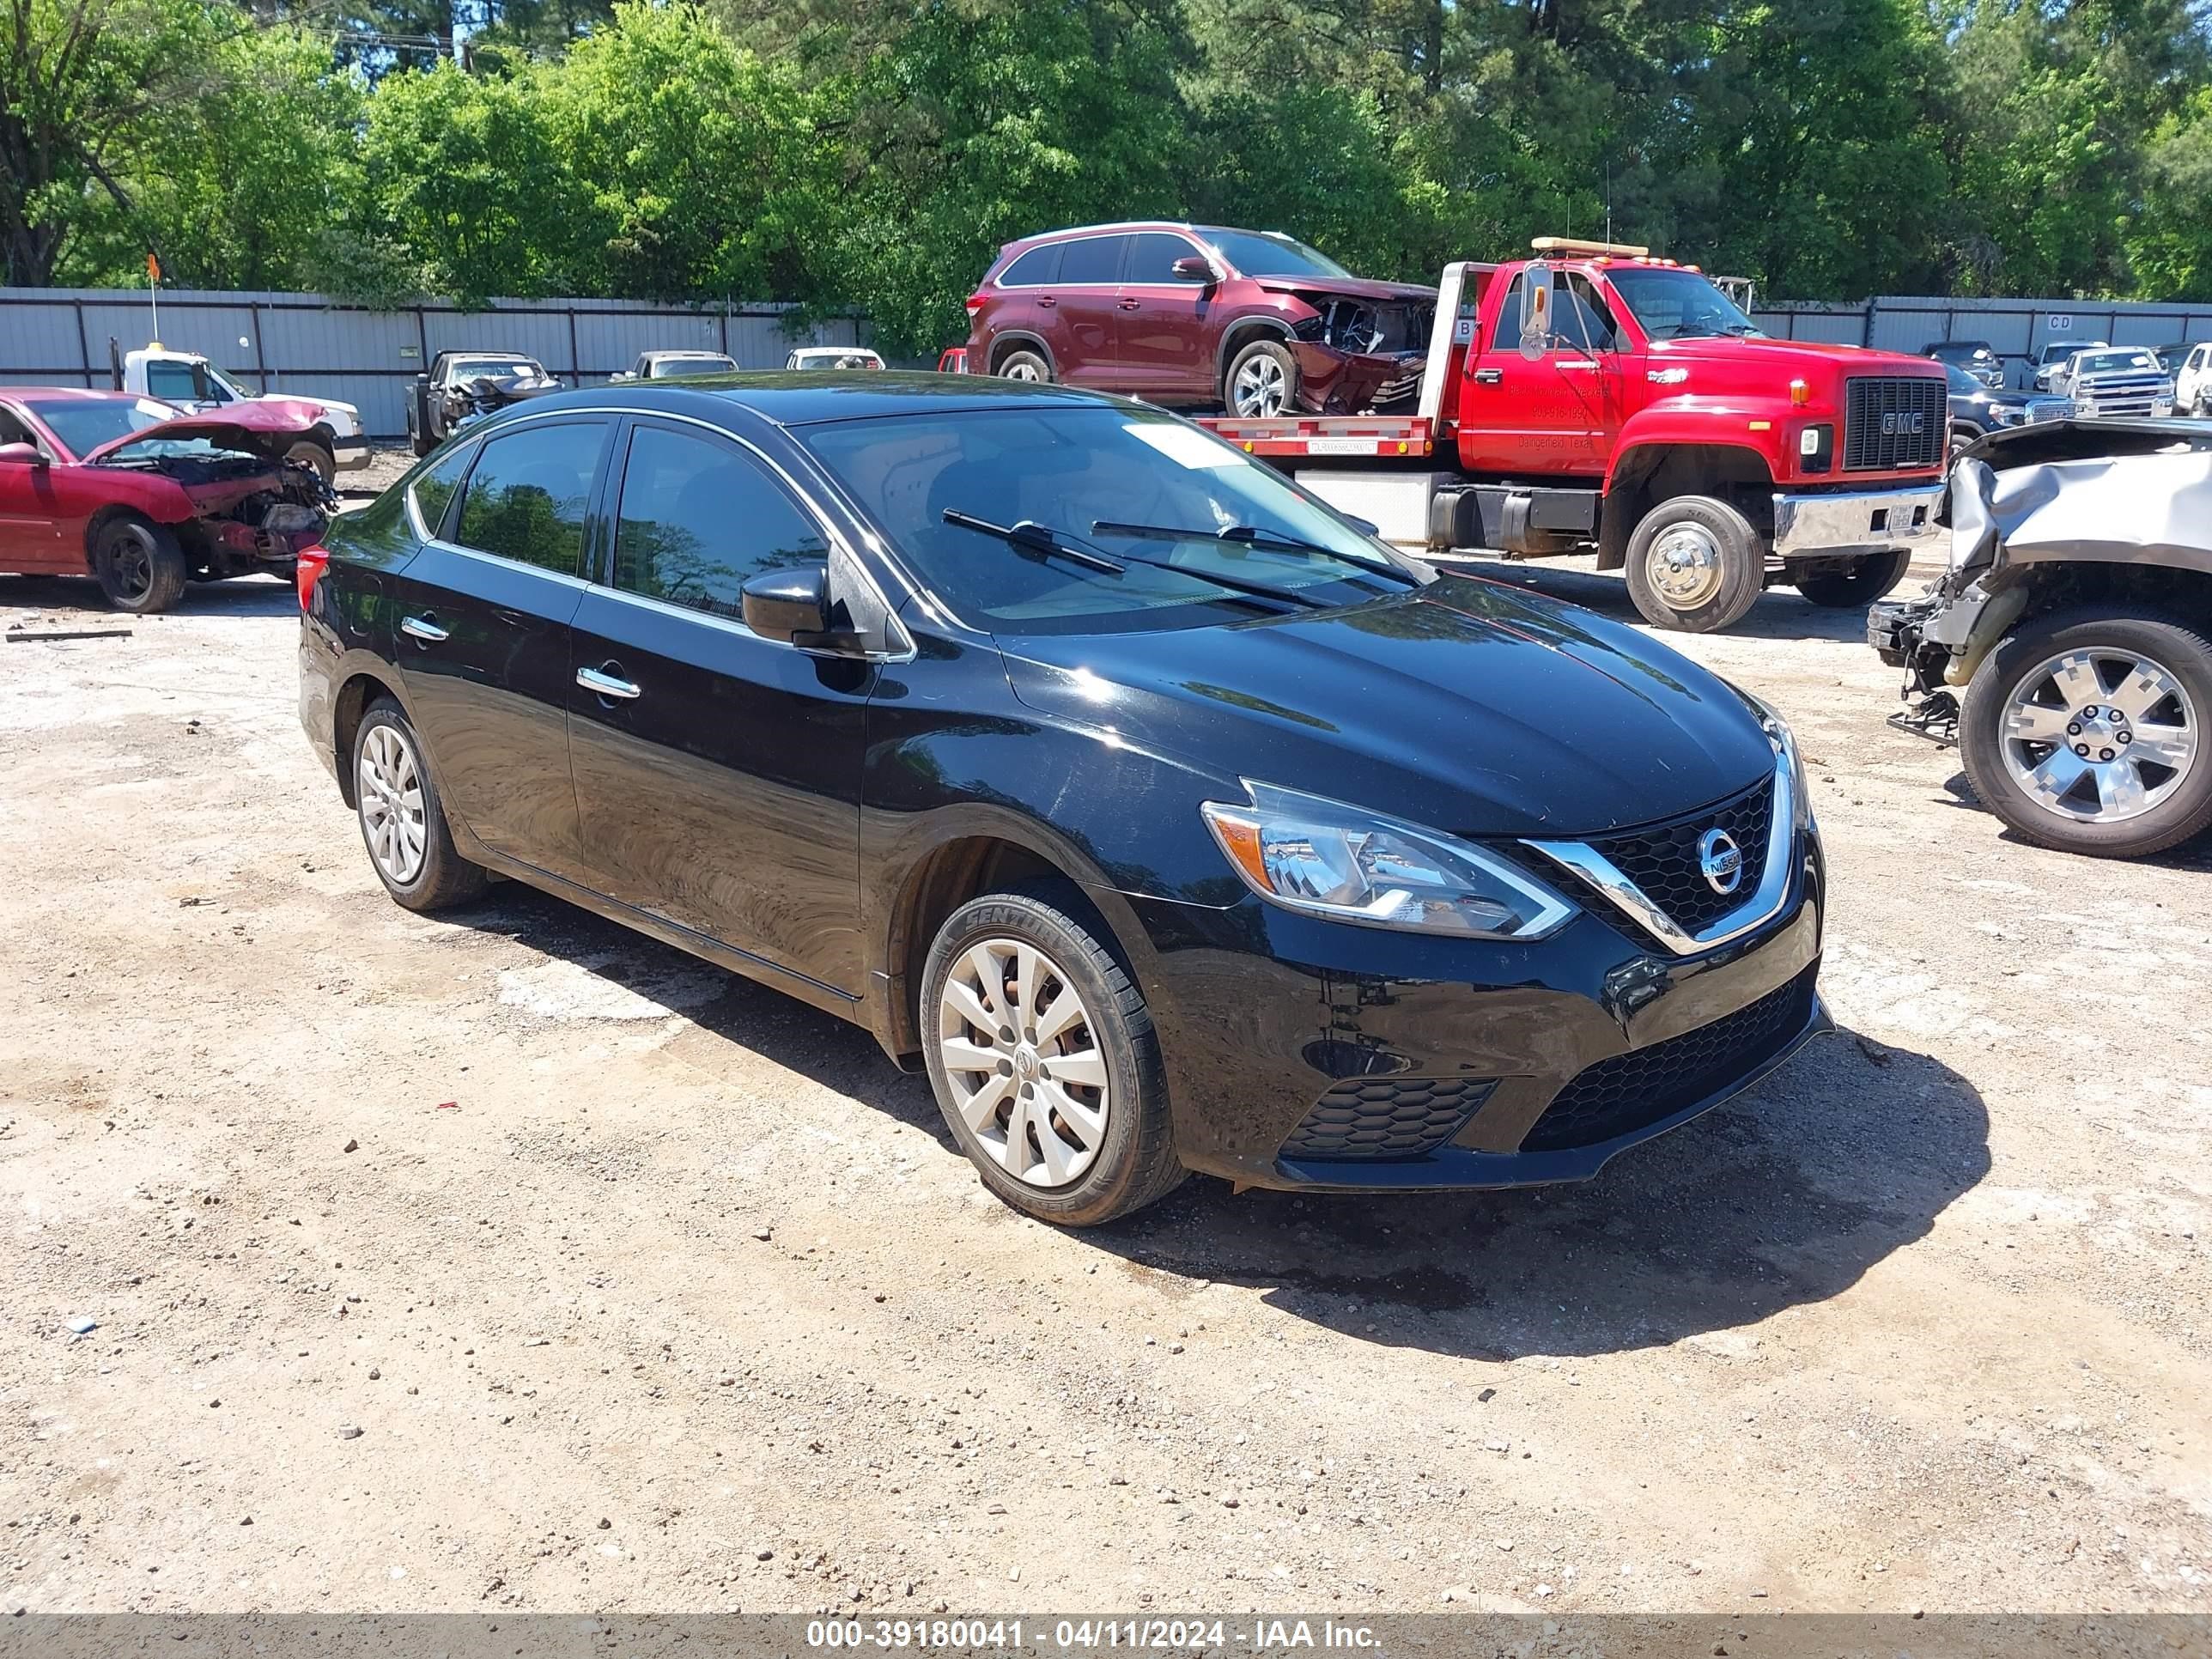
x=190, y=382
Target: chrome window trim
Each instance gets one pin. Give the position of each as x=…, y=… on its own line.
x=1764, y=903
x=422, y=532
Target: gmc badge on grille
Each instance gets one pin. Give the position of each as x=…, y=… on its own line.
x=1907, y=425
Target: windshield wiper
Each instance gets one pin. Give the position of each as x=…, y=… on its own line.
x=1035, y=541
x=1240, y=535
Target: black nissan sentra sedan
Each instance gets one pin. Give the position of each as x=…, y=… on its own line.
x=1168, y=819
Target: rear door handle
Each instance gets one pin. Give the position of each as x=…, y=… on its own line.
x=1047, y=301
x=425, y=628
x=607, y=685
x=1488, y=376
x=1127, y=304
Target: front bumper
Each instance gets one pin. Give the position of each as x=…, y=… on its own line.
x=1863, y=521
x=351, y=453
x=1309, y=1054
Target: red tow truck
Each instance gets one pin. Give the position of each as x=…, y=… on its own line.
x=1597, y=399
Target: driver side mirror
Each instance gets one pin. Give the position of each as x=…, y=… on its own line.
x=1191, y=268
x=22, y=454
x=1535, y=310
x=791, y=605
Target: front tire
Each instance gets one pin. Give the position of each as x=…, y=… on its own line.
x=1695, y=564
x=141, y=569
x=1262, y=381
x=317, y=459
x=2085, y=732
x=1044, y=1061
x=1868, y=579
x=403, y=821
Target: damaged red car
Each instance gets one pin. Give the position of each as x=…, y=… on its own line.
x=1252, y=322
x=143, y=499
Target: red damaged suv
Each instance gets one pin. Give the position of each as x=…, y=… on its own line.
x=1249, y=321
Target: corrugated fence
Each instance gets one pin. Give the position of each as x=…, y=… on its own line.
x=2016, y=330
x=307, y=343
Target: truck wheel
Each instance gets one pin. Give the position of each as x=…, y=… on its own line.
x=1694, y=565
x=1855, y=589
x=317, y=459
x=1262, y=381
x=2086, y=730
x=1025, y=365
x=140, y=567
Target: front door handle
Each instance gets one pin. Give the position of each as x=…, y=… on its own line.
x=425, y=628
x=606, y=684
x=1488, y=376
x=1127, y=304
x=1047, y=301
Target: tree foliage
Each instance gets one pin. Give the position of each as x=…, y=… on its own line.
x=877, y=153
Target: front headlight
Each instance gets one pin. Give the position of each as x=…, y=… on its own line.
x=2006, y=413
x=1327, y=859
x=1785, y=750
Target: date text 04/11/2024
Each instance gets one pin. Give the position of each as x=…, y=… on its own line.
x=1082, y=1635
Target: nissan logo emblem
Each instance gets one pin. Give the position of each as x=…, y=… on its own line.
x=1720, y=860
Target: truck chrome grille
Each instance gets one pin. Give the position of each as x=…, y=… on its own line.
x=1893, y=422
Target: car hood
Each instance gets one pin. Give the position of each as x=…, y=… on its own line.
x=1468, y=705
x=1784, y=356
x=309, y=409
x=264, y=427
x=1355, y=287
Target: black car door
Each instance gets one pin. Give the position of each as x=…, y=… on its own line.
x=484, y=610
x=718, y=772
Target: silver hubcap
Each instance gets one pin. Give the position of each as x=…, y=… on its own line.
x=2098, y=737
x=1260, y=386
x=390, y=790
x=1685, y=566
x=1025, y=1065
x=1023, y=371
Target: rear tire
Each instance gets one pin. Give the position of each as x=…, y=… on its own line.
x=1263, y=382
x=2001, y=708
x=1859, y=586
x=403, y=821
x=1062, y=1104
x=1695, y=564
x=141, y=569
x=1027, y=365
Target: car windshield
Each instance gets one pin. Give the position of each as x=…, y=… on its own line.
x=1257, y=255
x=1069, y=470
x=1962, y=383
x=2056, y=353
x=2108, y=362
x=1959, y=351
x=496, y=369
x=703, y=362
x=86, y=423
x=1677, y=304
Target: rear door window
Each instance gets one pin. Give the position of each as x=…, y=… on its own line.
x=528, y=494
x=700, y=518
x=1093, y=260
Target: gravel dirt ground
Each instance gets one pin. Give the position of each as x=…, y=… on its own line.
x=514, y=1261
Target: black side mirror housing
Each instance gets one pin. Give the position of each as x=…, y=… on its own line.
x=791, y=605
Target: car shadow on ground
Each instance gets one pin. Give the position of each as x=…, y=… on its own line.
x=1786, y=1195
x=77, y=601
x=1780, y=613
x=1958, y=793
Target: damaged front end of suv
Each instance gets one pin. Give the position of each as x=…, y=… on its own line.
x=2066, y=649
x=1362, y=352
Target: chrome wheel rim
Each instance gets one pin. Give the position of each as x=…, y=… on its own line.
x=389, y=787
x=1022, y=372
x=1260, y=386
x=131, y=560
x=2099, y=735
x=1023, y=1061
x=1683, y=566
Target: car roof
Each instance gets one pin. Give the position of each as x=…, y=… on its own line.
x=80, y=394
x=808, y=397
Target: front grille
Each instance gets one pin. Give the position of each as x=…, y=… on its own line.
x=1631, y=1091
x=2121, y=394
x=1663, y=861
x=1895, y=422
x=1385, y=1117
